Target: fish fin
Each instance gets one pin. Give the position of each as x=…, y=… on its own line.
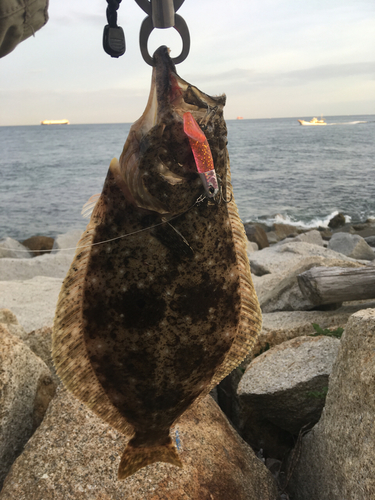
x=89, y=206
x=250, y=323
x=68, y=346
x=135, y=458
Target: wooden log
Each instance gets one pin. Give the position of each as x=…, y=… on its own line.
x=329, y=285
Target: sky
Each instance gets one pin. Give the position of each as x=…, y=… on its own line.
x=272, y=58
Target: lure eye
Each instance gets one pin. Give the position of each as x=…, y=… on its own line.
x=211, y=190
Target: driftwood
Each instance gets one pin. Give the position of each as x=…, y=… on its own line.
x=329, y=285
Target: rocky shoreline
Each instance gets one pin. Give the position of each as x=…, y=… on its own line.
x=294, y=421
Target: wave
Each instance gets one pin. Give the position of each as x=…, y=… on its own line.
x=347, y=123
x=291, y=221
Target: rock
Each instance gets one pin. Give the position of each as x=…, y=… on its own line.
x=282, y=293
x=252, y=247
x=370, y=240
x=26, y=389
x=10, y=321
x=271, y=237
x=32, y=301
x=39, y=341
x=263, y=436
x=325, y=233
x=76, y=455
x=287, y=384
x=227, y=397
x=365, y=230
x=10, y=248
x=280, y=258
x=279, y=290
x=285, y=325
x=67, y=242
x=337, y=221
x=338, y=456
x=54, y=266
x=352, y=245
x=257, y=269
x=283, y=231
x=256, y=234
x=8, y=317
x=39, y=244
x=314, y=237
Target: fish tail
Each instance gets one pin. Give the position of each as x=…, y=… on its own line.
x=134, y=458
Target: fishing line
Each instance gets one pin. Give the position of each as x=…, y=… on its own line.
x=197, y=202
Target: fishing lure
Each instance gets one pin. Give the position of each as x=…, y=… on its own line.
x=202, y=155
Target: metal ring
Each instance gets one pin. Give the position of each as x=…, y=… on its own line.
x=180, y=26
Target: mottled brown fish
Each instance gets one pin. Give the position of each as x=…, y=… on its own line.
x=158, y=305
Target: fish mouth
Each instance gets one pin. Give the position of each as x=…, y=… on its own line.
x=157, y=164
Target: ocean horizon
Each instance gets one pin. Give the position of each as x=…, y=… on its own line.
x=281, y=171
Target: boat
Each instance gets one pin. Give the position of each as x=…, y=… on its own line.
x=314, y=121
x=239, y=117
x=54, y=122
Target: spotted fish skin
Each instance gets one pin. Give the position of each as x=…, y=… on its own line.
x=149, y=323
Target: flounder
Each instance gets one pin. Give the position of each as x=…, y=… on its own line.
x=158, y=305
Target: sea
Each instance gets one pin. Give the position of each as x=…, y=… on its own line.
x=281, y=172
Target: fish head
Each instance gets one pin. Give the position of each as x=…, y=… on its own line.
x=157, y=163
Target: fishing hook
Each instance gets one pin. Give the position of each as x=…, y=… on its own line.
x=221, y=196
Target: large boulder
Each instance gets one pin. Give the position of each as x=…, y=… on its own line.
x=352, y=245
x=337, y=459
x=313, y=237
x=54, y=266
x=10, y=248
x=287, y=384
x=10, y=321
x=256, y=234
x=39, y=341
x=75, y=455
x=281, y=326
x=32, y=301
x=283, y=231
x=370, y=240
x=39, y=244
x=26, y=388
x=279, y=258
x=337, y=221
x=279, y=290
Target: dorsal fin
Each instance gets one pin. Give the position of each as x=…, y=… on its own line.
x=250, y=323
x=89, y=206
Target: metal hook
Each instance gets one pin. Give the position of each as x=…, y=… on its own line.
x=221, y=192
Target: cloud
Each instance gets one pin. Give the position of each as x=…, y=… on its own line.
x=251, y=79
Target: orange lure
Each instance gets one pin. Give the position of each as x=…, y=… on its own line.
x=202, y=154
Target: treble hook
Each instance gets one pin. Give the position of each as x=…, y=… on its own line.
x=221, y=195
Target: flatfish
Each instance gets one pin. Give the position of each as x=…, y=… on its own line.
x=158, y=305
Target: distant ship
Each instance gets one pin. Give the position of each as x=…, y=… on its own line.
x=55, y=122
x=314, y=121
x=239, y=117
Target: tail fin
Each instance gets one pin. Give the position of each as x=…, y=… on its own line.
x=134, y=458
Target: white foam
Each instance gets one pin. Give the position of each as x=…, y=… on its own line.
x=347, y=123
x=314, y=223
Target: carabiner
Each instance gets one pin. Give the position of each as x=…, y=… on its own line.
x=162, y=14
